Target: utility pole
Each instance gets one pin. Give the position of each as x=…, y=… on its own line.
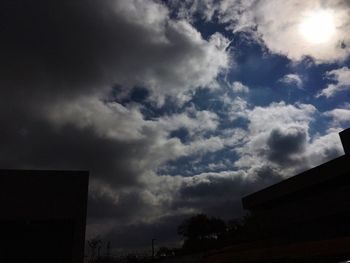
x=108, y=249
x=153, y=239
x=98, y=251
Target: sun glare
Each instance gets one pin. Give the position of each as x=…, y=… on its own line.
x=318, y=27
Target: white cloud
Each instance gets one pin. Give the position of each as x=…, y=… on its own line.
x=342, y=78
x=292, y=79
x=281, y=25
x=196, y=62
x=238, y=87
x=278, y=137
x=111, y=120
x=147, y=13
x=280, y=114
x=339, y=116
x=281, y=30
x=324, y=148
x=236, y=108
x=177, y=58
x=196, y=122
x=107, y=119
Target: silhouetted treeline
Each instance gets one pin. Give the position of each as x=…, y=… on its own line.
x=202, y=233
x=99, y=251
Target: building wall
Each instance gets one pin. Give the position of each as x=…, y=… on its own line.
x=43, y=213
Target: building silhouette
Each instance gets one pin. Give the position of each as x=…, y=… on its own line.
x=305, y=218
x=42, y=216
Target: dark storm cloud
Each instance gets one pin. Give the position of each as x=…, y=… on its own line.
x=59, y=61
x=53, y=53
x=75, y=42
x=284, y=145
x=59, y=49
x=54, y=47
x=140, y=235
x=32, y=143
x=123, y=209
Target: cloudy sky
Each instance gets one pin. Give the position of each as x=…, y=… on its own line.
x=175, y=107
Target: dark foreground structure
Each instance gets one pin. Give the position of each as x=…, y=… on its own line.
x=305, y=218
x=42, y=216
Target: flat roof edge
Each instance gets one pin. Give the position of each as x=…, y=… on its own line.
x=313, y=176
x=44, y=171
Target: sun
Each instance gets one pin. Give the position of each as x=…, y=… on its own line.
x=318, y=27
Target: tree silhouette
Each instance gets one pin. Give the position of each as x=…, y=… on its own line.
x=165, y=252
x=94, y=245
x=217, y=227
x=196, y=227
x=201, y=232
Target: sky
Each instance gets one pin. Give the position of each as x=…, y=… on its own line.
x=175, y=107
